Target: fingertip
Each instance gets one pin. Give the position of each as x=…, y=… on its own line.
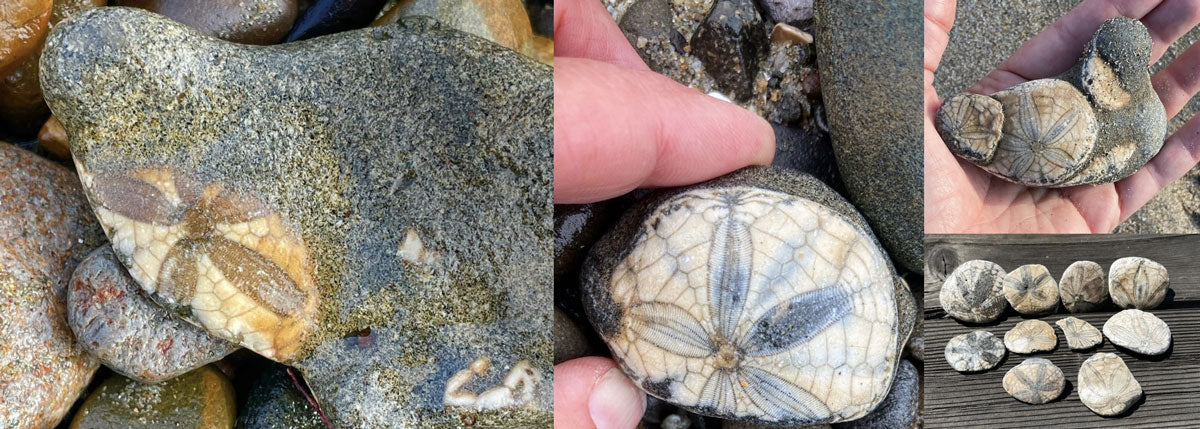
x=615, y=402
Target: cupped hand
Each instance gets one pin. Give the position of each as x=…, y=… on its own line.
x=962, y=198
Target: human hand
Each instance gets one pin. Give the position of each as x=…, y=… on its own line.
x=962, y=198
x=591, y=392
x=619, y=126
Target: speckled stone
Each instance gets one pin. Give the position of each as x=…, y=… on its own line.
x=1139, y=331
x=331, y=16
x=1139, y=283
x=502, y=21
x=1080, y=334
x=1030, y=336
x=873, y=101
x=257, y=22
x=413, y=255
x=975, y=351
x=202, y=398
x=1030, y=289
x=46, y=228
x=1106, y=386
x=654, y=225
x=274, y=402
x=974, y=292
x=130, y=334
x=1082, y=288
x=899, y=409
x=1035, y=381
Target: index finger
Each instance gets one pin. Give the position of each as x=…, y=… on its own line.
x=584, y=29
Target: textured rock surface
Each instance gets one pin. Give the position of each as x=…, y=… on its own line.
x=1139, y=331
x=975, y=351
x=424, y=237
x=1139, y=283
x=974, y=292
x=1034, y=381
x=128, y=332
x=789, y=11
x=1030, y=289
x=793, y=274
x=899, y=408
x=1082, y=288
x=46, y=228
x=199, y=399
x=729, y=43
x=1030, y=336
x=1106, y=386
x=257, y=22
x=501, y=21
x=1080, y=334
x=274, y=402
x=874, y=107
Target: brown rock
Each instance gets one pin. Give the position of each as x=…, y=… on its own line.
x=23, y=25
x=255, y=22
x=53, y=138
x=502, y=21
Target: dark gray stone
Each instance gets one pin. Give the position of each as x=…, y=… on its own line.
x=729, y=42
x=274, y=402
x=899, y=409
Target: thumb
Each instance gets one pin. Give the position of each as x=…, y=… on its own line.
x=591, y=392
x=939, y=17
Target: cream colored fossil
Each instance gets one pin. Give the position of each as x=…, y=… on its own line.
x=1031, y=290
x=1034, y=381
x=516, y=390
x=974, y=351
x=1082, y=288
x=1080, y=334
x=1106, y=386
x=226, y=260
x=1137, y=283
x=1030, y=336
x=974, y=292
x=1139, y=331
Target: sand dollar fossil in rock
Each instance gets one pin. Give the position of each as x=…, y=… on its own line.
x=1034, y=381
x=971, y=124
x=975, y=351
x=1080, y=334
x=748, y=303
x=1049, y=133
x=1106, y=386
x=1137, y=283
x=974, y=292
x=1139, y=331
x=1030, y=336
x=1082, y=287
x=1031, y=290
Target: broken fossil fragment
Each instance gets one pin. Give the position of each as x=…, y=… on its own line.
x=1139, y=331
x=1137, y=283
x=731, y=297
x=1080, y=334
x=240, y=187
x=1082, y=288
x=1106, y=386
x=975, y=351
x=974, y=292
x=1031, y=290
x=1098, y=122
x=1034, y=381
x=1030, y=336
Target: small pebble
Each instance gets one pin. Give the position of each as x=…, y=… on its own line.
x=1082, y=287
x=1031, y=290
x=256, y=22
x=1106, y=386
x=975, y=351
x=974, y=292
x=53, y=138
x=1035, y=381
x=1139, y=331
x=1137, y=283
x=1030, y=336
x=789, y=11
x=783, y=33
x=202, y=398
x=1080, y=334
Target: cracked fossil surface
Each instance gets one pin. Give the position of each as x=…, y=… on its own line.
x=1098, y=122
x=974, y=292
x=1106, y=386
x=975, y=351
x=1030, y=289
x=1082, y=287
x=1140, y=283
x=1080, y=334
x=1139, y=331
x=1030, y=336
x=743, y=299
x=1035, y=381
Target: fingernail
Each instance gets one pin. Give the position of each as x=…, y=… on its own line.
x=615, y=402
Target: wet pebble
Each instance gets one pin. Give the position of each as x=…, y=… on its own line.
x=1030, y=336
x=274, y=402
x=974, y=292
x=1137, y=283
x=1106, y=386
x=729, y=43
x=1139, y=331
x=1082, y=288
x=24, y=26
x=202, y=398
x=975, y=351
x=1031, y=290
x=1035, y=381
x=256, y=22
x=331, y=16
x=1080, y=334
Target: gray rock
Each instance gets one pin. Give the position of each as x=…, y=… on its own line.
x=1139, y=283
x=807, y=152
x=874, y=106
x=569, y=341
x=1030, y=336
x=1139, y=331
x=789, y=11
x=1035, y=381
x=975, y=351
x=383, y=195
x=899, y=409
x=128, y=332
x=974, y=292
x=1080, y=334
x=647, y=26
x=1082, y=288
x=274, y=402
x=729, y=42
x=1031, y=290
x=1106, y=386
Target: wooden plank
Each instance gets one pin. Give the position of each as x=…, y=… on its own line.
x=1171, y=383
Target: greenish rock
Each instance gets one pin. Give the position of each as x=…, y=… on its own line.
x=872, y=95
x=371, y=207
x=202, y=398
x=274, y=402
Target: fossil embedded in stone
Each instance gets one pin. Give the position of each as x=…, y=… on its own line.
x=971, y=125
x=974, y=351
x=1030, y=336
x=1106, y=386
x=516, y=390
x=1049, y=133
x=1082, y=288
x=1031, y=290
x=1139, y=331
x=1137, y=283
x=974, y=292
x=1080, y=334
x=1035, y=381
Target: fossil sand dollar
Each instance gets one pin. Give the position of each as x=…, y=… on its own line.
x=1080, y=334
x=1030, y=336
x=1137, y=283
x=1106, y=386
x=975, y=351
x=1034, y=381
x=1049, y=132
x=1082, y=287
x=1031, y=290
x=1139, y=331
x=756, y=297
x=971, y=124
x=974, y=292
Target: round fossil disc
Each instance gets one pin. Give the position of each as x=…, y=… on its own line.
x=1031, y=290
x=1035, y=381
x=974, y=351
x=1080, y=334
x=974, y=292
x=1049, y=132
x=1030, y=336
x=751, y=304
x=1082, y=287
x=1137, y=283
x=971, y=124
x=1106, y=386
x=1139, y=331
